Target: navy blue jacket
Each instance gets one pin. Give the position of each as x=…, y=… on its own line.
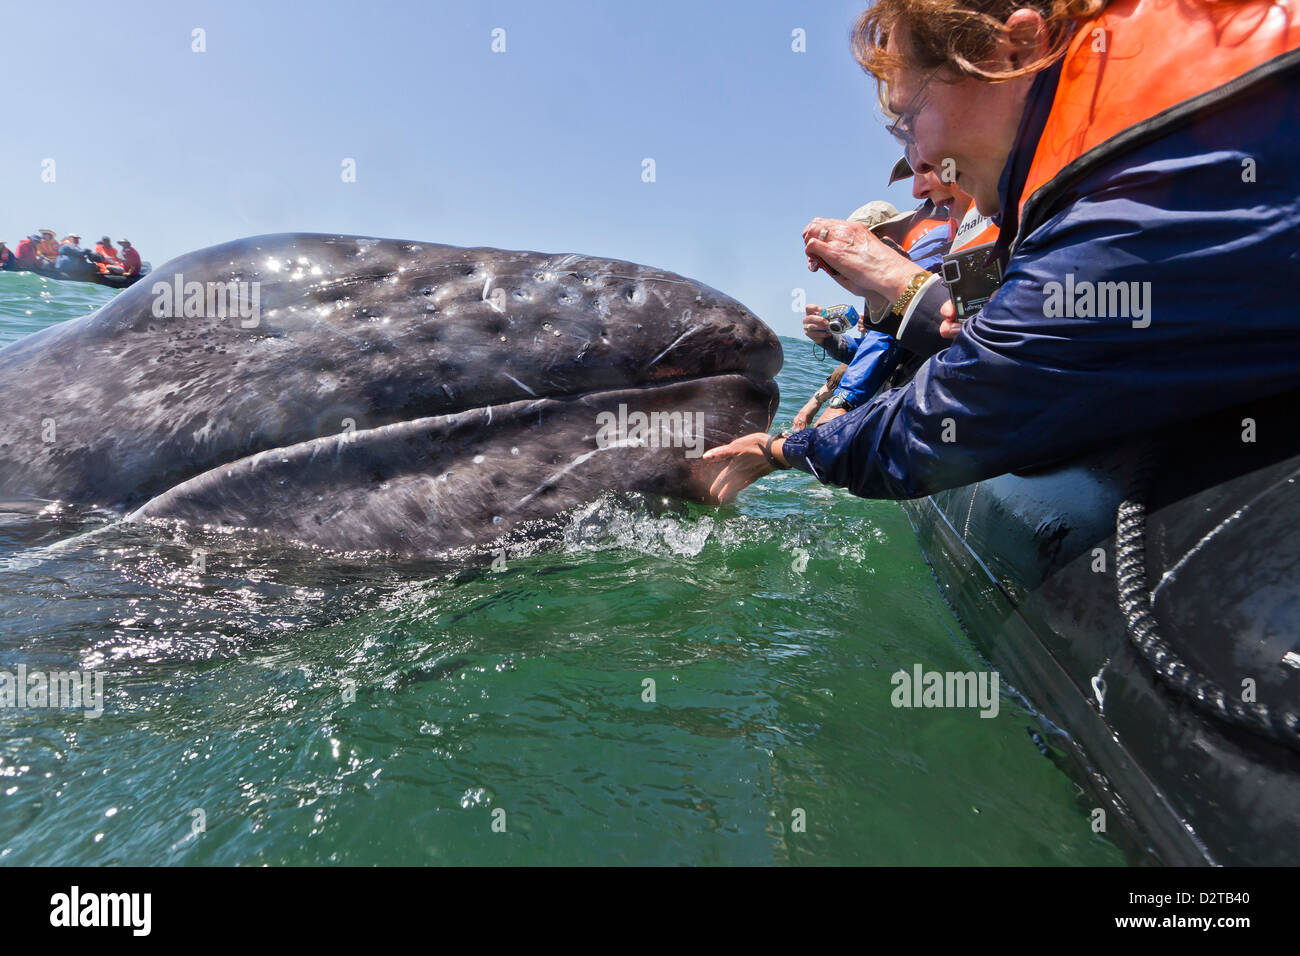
x=1019, y=387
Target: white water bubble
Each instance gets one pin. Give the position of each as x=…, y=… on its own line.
x=473, y=797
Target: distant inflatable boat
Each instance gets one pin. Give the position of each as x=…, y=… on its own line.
x=99, y=278
x=1146, y=600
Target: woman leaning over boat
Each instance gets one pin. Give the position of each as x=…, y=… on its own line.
x=1140, y=157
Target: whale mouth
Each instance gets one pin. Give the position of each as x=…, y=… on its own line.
x=431, y=485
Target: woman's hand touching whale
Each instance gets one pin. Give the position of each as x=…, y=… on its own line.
x=746, y=463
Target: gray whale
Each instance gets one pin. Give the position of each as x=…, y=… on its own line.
x=378, y=394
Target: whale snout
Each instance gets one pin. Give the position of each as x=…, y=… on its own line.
x=393, y=395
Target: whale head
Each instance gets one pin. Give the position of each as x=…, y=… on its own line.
x=377, y=394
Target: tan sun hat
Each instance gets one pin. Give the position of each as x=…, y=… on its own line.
x=874, y=212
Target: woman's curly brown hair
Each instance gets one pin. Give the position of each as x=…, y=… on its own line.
x=960, y=34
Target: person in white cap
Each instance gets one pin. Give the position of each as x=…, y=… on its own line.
x=74, y=262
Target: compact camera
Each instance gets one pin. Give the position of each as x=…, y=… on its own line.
x=840, y=318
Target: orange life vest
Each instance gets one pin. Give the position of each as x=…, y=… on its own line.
x=921, y=226
x=1142, y=64
x=109, y=254
x=907, y=228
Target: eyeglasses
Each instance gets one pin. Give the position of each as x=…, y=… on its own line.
x=901, y=130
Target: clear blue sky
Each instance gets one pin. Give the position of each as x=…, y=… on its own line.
x=540, y=147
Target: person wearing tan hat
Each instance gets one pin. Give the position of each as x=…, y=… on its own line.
x=47, y=250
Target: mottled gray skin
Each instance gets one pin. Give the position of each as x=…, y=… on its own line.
x=351, y=416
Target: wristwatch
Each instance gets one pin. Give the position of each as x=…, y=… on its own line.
x=839, y=401
x=767, y=450
x=913, y=287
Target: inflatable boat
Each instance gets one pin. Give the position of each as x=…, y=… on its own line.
x=1145, y=599
x=111, y=280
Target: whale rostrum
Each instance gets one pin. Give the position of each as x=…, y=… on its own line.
x=379, y=394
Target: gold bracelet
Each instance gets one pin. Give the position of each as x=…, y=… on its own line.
x=913, y=287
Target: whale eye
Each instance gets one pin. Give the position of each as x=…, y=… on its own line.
x=427, y=290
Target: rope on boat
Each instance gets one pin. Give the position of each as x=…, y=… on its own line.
x=1143, y=630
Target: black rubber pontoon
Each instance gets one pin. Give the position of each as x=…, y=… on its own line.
x=99, y=278
x=1177, y=681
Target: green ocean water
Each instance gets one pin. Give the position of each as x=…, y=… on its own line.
x=306, y=712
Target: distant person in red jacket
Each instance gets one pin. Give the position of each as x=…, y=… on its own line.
x=7, y=260
x=130, y=258
x=27, y=253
